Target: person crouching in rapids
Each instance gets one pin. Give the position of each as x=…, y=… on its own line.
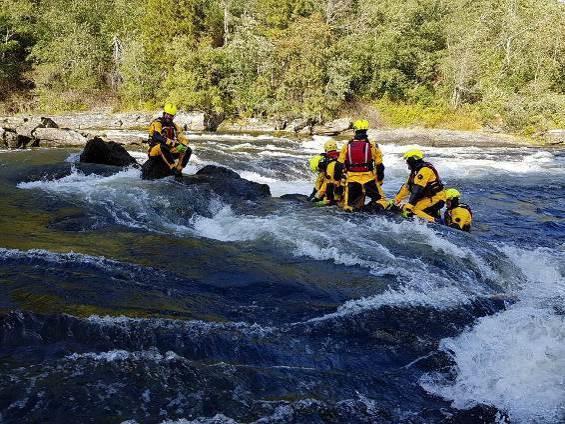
x=364, y=171
x=424, y=187
x=457, y=215
x=327, y=189
x=168, y=146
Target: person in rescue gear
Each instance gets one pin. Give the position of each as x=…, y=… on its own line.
x=168, y=143
x=423, y=189
x=362, y=162
x=457, y=215
x=327, y=188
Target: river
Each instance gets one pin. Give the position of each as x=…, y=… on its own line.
x=136, y=301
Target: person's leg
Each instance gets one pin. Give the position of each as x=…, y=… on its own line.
x=353, y=196
x=375, y=192
x=432, y=204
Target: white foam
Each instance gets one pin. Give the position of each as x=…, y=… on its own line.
x=515, y=360
x=437, y=297
x=194, y=328
x=216, y=419
x=124, y=355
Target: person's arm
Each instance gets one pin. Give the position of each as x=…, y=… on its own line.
x=181, y=136
x=342, y=155
x=402, y=194
x=421, y=181
x=378, y=159
x=155, y=132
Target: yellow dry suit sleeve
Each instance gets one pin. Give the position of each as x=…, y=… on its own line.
x=181, y=137
x=377, y=154
x=155, y=129
x=402, y=194
x=378, y=159
x=343, y=154
x=422, y=179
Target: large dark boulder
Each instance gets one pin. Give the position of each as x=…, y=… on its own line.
x=222, y=181
x=154, y=168
x=227, y=183
x=106, y=153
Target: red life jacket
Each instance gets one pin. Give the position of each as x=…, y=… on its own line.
x=359, y=157
x=332, y=154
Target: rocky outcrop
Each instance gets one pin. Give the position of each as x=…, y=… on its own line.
x=295, y=126
x=22, y=132
x=75, y=129
x=249, y=125
x=333, y=127
x=106, y=153
x=59, y=137
x=190, y=121
x=228, y=184
x=222, y=181
x=444, y=138
x=554, y=137
x=12, y=140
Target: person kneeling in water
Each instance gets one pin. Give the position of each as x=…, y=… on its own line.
x=424, y=187
x=327, y=188
x=168, y=143
x=457, y=215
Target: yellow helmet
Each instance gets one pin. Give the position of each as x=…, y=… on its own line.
x=452, y=193
x=361, y=124
x=314, y=162
x=171, y=109
x=330, y=145
x=413, y=154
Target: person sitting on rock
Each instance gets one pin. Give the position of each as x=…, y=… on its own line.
x=327, y=188
x=168, y=144
x=364, y=171
x=424, y=187
x=457, y=215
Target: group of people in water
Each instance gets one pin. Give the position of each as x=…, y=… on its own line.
x=349, y=176
x=346, y=177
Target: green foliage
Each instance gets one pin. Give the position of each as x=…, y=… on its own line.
x=16, y=37
x=453, y=63
x=429, y=116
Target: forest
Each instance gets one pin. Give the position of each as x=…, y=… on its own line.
x=455, y=63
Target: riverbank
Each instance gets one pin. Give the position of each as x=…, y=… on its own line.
x=76, y=129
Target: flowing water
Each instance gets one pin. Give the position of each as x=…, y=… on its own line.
x=153, y=302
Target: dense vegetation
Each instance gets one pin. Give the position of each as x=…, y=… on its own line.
x=437, y=62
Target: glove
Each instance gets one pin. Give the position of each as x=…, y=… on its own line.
x=406, y=211
x=312, y=195
x=181, y=148
x=177, y=173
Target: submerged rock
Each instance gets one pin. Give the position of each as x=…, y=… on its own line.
x=227, y=183
x=295, y=197
x=106, y=153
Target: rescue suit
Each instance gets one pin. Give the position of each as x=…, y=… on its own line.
x=362, y=162
x=458, y=215
x=328, y=183
x=425, y=189
x=168, y=143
